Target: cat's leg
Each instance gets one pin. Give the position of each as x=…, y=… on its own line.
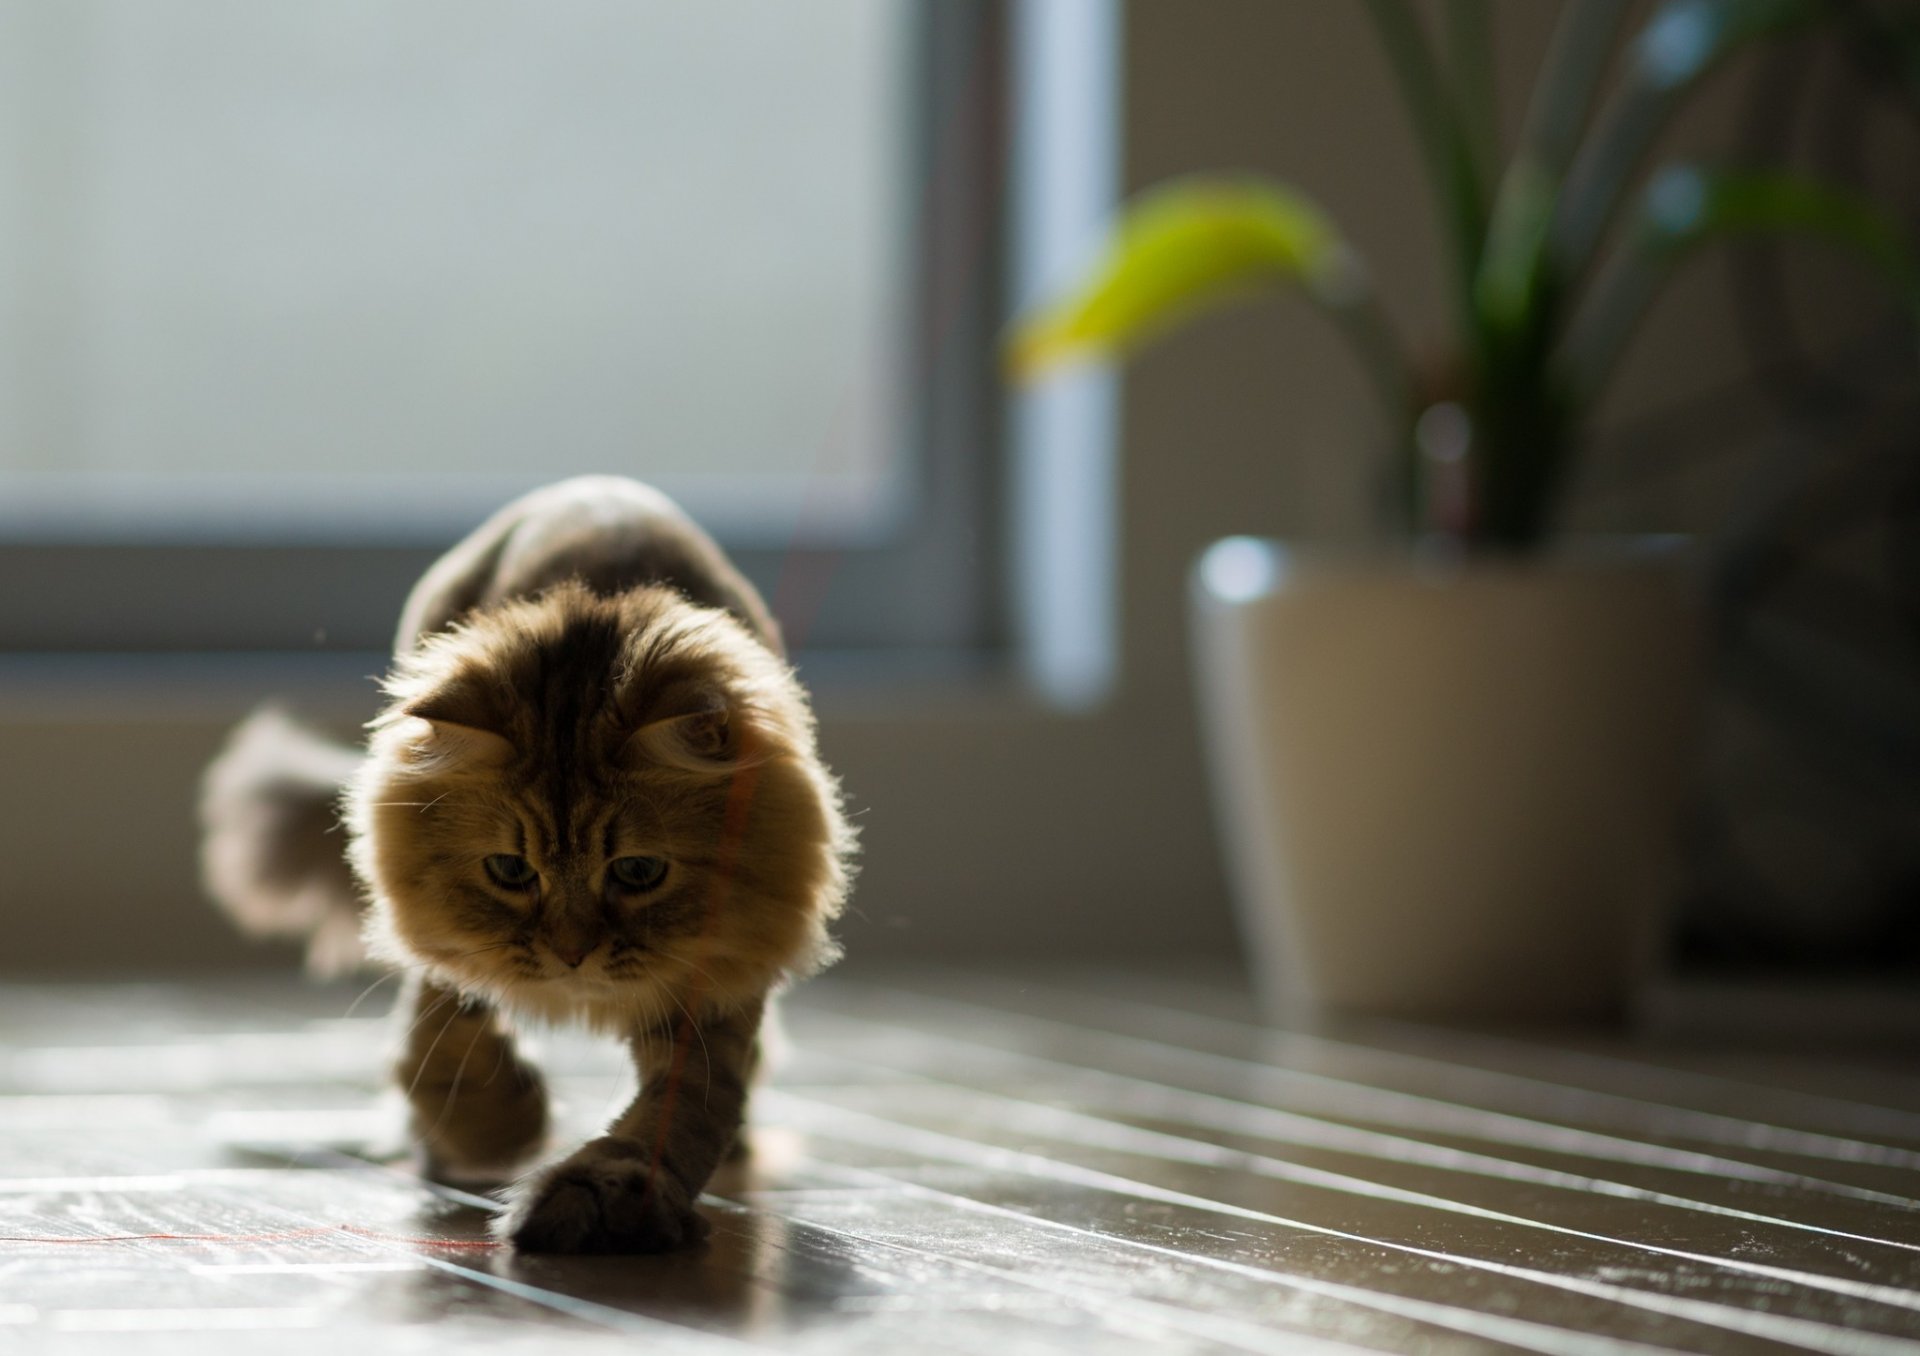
x=633, y=1189
x=769, y=1047
x=477, y=1109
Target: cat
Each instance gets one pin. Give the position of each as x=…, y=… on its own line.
x=593, y=795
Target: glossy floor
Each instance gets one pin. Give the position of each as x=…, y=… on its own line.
x=964, y=1162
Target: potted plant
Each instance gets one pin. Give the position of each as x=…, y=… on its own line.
x=1449, y=782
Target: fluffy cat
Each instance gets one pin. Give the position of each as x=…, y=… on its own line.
x=594, y=796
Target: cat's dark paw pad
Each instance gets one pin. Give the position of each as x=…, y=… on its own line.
x=608, y=1198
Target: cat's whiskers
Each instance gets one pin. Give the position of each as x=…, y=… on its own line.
x=439, y=1035
x=453, y=959
x=706, y=1058
x=432, y=1008
x=707, y=975
x=656, y=1013
x=355, y=1004
x=448, y=957
x=453, y=1090
x=503, y=1048
x=621, y=960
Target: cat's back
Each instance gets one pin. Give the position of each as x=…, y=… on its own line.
x=611, y=533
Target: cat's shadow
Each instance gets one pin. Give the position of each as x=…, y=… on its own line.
x=757, y=1272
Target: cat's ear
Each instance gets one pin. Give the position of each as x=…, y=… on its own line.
x=465, y=720
x=696, y=729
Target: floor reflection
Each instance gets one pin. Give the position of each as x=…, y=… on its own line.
x=734, y=1283
x=979, y=1170
x=748, y=1278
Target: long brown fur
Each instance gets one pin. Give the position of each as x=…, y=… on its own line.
x=586, y=679
x=546, y=728
x=271, y=848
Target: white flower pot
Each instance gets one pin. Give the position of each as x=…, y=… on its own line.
x=1447, y=793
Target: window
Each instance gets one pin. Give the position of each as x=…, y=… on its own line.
x=304, y=291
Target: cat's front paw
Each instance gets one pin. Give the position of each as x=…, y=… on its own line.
x=610, y=1197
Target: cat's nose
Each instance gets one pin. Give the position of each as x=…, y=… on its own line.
x=570, y=953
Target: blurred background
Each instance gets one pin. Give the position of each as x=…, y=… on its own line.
x=291, y=296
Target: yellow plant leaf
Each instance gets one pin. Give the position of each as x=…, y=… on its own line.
x=1175, y=252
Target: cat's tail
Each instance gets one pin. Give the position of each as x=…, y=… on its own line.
x=272, y=852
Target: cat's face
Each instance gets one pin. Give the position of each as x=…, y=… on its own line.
x=589, y=807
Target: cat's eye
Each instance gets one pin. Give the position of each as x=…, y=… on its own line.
x=638, y=873
x=516, y=873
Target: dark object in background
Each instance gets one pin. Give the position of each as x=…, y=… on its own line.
x=1807, y=842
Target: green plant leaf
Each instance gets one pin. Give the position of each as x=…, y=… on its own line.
x=1681, y=43
x=1177, y=251
x=1687, y=207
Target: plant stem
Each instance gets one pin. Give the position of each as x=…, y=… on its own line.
x=1576, y=57
x=1598, y=178
x=1437, y=129
x=1470, y=58
x=1521, y=415
x=1608, y=317
x=1371, y=336
x=1523, y=433
x=1367, y=329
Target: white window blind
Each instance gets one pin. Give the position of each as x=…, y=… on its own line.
x=277, y=268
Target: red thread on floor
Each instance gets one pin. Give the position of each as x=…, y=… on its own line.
x=281, y=1236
